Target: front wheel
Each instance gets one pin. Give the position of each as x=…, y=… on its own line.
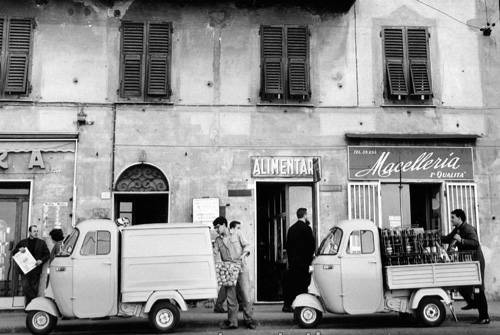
x=431, y=312
x=40, y=322
x=307, y=317
x=164, y=316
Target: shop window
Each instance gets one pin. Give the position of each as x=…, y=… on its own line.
x=96, y=243
x=145, y=60
x=407, y=72
x=285, y=63
x=16, y=36
x=361, y=242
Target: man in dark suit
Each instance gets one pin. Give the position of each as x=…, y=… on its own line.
x=40, y=252
x=300, y=247
x=465, y=237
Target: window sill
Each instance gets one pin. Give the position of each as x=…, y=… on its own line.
x=145, y=103
x=284, y=105
x=408, y=106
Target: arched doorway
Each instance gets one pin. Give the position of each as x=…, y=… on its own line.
x=141, y=194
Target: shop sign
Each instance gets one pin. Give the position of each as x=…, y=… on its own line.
x=284, y=166
x=410, y=163
x=36, y=159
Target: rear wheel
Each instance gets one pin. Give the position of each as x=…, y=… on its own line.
x=431, y=312
x=307, y=317
x=164, y=316
x=40, y=322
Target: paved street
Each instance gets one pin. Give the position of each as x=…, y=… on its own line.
x=272, y=321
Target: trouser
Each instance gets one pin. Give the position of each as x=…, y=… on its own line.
x=222, y=296
x=30, y=283
x=478, y=299
x=296, y=282
x=232, y=301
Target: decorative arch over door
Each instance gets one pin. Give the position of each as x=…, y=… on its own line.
x=141, y=194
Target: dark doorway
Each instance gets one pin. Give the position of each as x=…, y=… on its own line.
x=142, y=208
x=276, y=207
x=425, y=204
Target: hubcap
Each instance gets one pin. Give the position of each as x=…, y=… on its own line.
x=164, y=318
x=431, y=312
x=40, y=320
x=308, y=315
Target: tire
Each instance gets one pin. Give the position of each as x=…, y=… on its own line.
x=307, y=317
x=431, y=312
x=40, y=322
x=164, y=316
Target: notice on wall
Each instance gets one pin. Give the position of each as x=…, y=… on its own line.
x=205, y=210
x=394, y=221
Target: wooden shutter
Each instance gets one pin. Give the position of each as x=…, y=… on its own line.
x=394, y=61
x=132, y=58
x=272, y=59
x=419, y=61
x=158, y=67
x=298, y=57
x=18, y=55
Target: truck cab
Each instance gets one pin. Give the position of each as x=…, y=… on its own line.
x=350, y=257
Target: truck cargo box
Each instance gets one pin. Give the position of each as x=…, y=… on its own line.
x=167, y=257
x=433, y=275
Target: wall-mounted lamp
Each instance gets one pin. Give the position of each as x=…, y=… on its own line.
x=81, y=119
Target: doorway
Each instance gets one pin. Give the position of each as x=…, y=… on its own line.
x=411, y=205
x=277, y=203
x=14, y=211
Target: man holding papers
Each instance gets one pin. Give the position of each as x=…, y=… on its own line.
x=40, y=252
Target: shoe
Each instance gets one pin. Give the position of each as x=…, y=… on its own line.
x=219, y=310
x=227, y=325
x=469, y=306
x=287, y=309
x=251, y=324
x=481, y=321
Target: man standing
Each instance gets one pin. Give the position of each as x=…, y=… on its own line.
x=300, y=247
x=232, y=246
x=465, y=237
x=39, y=251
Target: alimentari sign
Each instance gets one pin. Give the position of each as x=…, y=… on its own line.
x=410, y=163
x=283, y=166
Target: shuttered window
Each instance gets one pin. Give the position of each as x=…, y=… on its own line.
x=285, y=63
x=16, y=36
x=145, y=59
x=407, y=65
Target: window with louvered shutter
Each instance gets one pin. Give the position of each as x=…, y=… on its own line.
x=394, y=58
x=17, y=55
x=132, y=56
x=418, y=61
x=297, y=54
x=272, y=59
x=158, y=59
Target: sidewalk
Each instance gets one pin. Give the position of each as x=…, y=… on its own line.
x=203, y=319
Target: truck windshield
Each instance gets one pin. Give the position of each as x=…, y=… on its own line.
x=69, y=243
x=330, y=245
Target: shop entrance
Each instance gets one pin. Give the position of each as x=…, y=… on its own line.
x=277, y=204
x=415, y=205
x=141, y=195
x=14, y=209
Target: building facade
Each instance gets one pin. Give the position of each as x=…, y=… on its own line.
x=166, y=111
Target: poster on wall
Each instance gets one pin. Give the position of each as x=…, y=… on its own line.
x=205, y=210
x=410, y=163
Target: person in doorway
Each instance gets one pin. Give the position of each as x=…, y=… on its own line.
x=37, y=248
x=465, y=237
x=221, y=297
x=57, y=237
x=232, y=246
x=299, y=247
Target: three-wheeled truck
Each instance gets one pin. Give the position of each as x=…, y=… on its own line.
x=143, y=271
x=348, y=277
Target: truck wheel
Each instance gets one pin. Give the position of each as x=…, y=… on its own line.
x=307, y=317
x=40, y=322
x=164, y=316
x=431, y=312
